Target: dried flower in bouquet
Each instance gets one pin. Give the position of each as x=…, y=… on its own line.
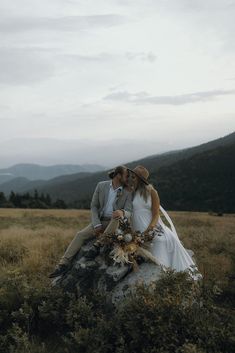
x=125, y=246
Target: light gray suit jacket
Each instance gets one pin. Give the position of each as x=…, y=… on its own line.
x=123, y=201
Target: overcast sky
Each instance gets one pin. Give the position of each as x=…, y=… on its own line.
x=146, y=75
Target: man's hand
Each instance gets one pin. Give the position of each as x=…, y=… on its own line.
x=98, y=230
x=118, y=214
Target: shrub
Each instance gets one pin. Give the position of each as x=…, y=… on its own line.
x=173, y=315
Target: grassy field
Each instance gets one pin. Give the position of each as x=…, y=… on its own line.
x=33, y=240
x=34, y=318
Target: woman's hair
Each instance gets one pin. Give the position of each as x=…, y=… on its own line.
x=118, y=170
x=144, y=189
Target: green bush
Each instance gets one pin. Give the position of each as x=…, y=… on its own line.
x=173, y=315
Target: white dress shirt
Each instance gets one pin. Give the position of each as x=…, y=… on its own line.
x=108, y=209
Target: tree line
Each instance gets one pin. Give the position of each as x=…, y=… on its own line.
x=26, y=200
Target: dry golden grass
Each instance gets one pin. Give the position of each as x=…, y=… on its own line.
x=32, y=241
x=19, y=213
x=212, y=239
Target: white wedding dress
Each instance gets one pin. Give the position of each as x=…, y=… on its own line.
x=166, y=245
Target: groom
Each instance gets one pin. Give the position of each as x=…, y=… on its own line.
x=110, y=202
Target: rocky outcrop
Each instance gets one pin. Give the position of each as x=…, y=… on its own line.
x=91, y=269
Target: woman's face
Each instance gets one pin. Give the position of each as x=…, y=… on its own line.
x=134, y=181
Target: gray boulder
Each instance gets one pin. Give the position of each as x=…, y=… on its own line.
x=92, y=269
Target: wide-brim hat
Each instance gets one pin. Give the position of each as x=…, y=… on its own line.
x=141, y=172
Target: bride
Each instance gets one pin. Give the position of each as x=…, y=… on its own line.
x=166, y=245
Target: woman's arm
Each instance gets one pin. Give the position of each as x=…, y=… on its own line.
x=155, y=208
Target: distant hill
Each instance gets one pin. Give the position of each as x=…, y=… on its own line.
x=22, y=185
x=198, y=178
x=202, y=182
x=32, y=171
x=155, y=162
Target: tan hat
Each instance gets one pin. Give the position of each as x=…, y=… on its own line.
x=141, y=173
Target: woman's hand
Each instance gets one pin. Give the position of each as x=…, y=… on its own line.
x=150, y=227
x=118, y=214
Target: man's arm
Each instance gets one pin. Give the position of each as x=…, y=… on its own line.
x=95, y=220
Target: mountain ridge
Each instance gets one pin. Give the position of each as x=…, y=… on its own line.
x=77, y=189
x=34, y=171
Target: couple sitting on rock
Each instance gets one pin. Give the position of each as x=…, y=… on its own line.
x=130, y=195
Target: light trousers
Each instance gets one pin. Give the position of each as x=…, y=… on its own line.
x=85, y=234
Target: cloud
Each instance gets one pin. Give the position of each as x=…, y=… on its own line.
x=24, y=66
x=101, y=57
x=144, y=98
x=214, y=18
x=65, y=23
x=4, y=108
x=61, y=65
x=181, y=5
x=151, y=57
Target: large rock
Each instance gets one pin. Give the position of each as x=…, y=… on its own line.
x=146, y=274
x=91, y=269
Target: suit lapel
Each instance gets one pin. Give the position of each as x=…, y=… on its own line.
x=118, y=197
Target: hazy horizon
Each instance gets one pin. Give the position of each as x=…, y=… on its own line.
x=55, y=151
x=112, y=81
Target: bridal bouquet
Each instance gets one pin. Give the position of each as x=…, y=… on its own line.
x=125, y=246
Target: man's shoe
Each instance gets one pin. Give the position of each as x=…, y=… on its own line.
x=59, y=270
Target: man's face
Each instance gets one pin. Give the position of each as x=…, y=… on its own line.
x=124, y=177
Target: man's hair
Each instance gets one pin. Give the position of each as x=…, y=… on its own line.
x=118, y=170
